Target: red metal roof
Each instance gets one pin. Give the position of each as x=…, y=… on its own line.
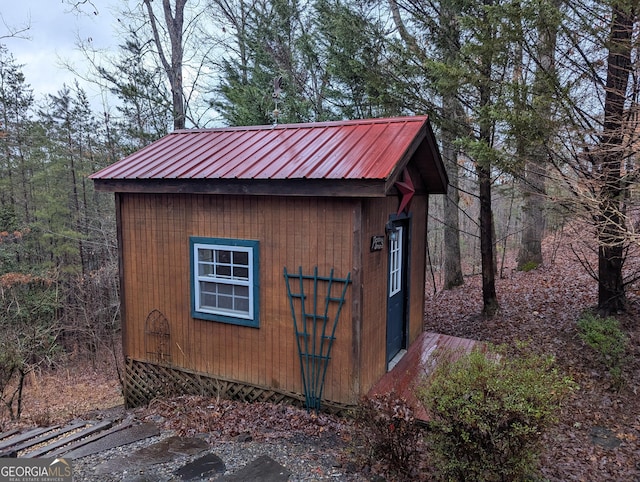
x=361, y=149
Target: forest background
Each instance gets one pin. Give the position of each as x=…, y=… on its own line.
x=534, y=102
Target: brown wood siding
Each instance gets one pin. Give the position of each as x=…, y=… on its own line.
x=119, y=230
x=374, y=294
x=292, y=232
x=376, y=214
x=419, y=208
x=356, y=337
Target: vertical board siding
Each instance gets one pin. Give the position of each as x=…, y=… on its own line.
x=374, y=297
x=119, y=229
x=305, y=232
x=356, y=303
x=419, y=227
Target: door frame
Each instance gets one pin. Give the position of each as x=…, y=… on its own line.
x=406, y=221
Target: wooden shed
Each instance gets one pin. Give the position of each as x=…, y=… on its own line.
x=273, y=262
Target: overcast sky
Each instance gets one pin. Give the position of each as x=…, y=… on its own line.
x=52, y=37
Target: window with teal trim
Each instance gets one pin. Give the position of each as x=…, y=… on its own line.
x=224, y=280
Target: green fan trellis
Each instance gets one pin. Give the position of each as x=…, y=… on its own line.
x=315, y=329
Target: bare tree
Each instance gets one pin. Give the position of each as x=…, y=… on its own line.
x=600, y=168
x=609, y=163
x=166, y=31
x=173, y=63
x=12, y=31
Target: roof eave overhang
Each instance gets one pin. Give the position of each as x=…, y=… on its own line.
x=437, y=178
x=430, y=165
x=356, y=188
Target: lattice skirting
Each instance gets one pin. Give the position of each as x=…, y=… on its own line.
x=146, y=381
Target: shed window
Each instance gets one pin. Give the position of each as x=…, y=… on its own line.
x=224, y=280
x=395, y=262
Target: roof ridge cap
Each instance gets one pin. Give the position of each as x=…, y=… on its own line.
x=302, y=125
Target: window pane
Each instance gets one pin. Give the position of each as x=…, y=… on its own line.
x=205, y=269
x=242, y=291
x=206, y=287
x=223, y=271
x=241, y=299
x=241, y=304
x=241, y=257
x=207, y=294
x=240, y=273
x=205, y=255
x=225, y=289
x=225, y=302
x=395, y=263
x=208, y=300
x=223, y=256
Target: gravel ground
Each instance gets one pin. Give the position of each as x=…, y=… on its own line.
x=307, y=458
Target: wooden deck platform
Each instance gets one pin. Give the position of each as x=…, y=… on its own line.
x=416, y=364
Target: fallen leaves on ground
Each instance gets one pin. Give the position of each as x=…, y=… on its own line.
x=541, y=307
x=76, y=389
x=191, y=415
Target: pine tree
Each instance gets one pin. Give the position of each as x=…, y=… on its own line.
x=270, y=41
x=144, y=114
x=71, y=130
x=16, y=104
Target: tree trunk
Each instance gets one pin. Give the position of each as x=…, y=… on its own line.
x=483, y=170
x=489, y=297
x=21, y=378
x=533, y=219
x=452, y=266
x=452, y=114
x=173, y=66
x=487, y=257
x=535, y=170
x=611, y=218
